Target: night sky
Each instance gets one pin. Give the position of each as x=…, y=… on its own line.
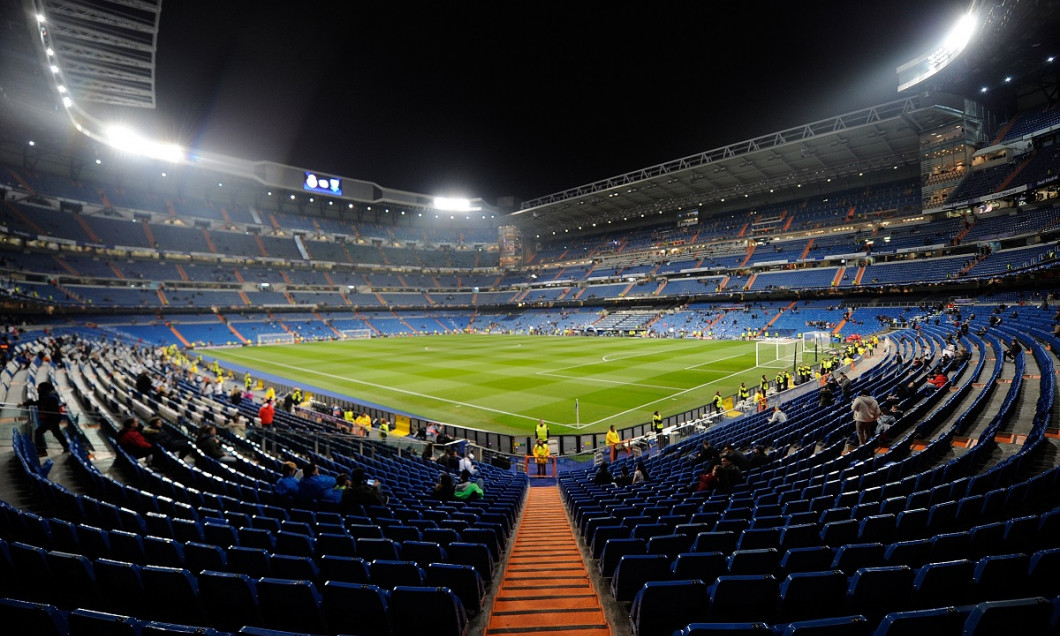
x=508, y=99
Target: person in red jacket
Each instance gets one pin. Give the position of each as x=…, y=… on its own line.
x=266, y=413
x=132, y=441
x=939, y=380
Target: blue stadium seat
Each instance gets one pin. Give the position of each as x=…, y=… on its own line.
x=230, y=600
x=171, y=595
x=615, y=549
x=25, y=617
x=941, y=620
x=86, y=621
x=634, y=570
x=705, y=566
x=388, y=574
x=662, y=607
x=743, y=598
x=371, y=617
x=1017, y=616
x=254, y=562
x=809, y=559
x=1000, y=577
x=291, y=605
x=74, y=580
x=423, y=610
x=286, y=566
x=942, y=583
x=811, y=595
x=463, y=580
x=874, y=592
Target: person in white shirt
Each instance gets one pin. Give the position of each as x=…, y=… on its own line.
x=468, y=463
x=779, y=417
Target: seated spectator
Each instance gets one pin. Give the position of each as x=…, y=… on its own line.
x=468, y=463
x=603, y=476
x=759, y=457
x=132, y=441
x=362, y=491
x=156, y=433
x=210, y=445
x=1013, y=350
x=779, y=417
x=286, y=487
x=428, y=452
x=237, y=424
x=939, y=380
x=467, y=489
x=314, y=487
x=452, y=460
x=625, y=478
x=736, y=457
x=444, y=489
x=707, y=454
x=640, y=473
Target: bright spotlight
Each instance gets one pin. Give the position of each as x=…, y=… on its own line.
x=453, y=204
x=930, y=63
x=127, y=140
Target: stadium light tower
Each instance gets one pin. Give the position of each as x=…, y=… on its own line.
x=956, y=41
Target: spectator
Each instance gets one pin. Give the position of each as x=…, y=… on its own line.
x=362, y=491
x=467, y=489
x=236, y=397
x=132, y=441
x=210, y=445
x=428, y=452
x=758, y=457
x=603, y=476
x=866, y=412
x=444, y=489
x=779, y=417
x=156, y=433
x=625, y=478
x=452, y=460
x=286, y=487
x=735, y=456
x=49, y=417
x=845, y=385
x=468, y=463
x=640, y=473
x=707, y=454
x=314, y=487
x=939, y=380
x=1013, y=350
x=266, y=413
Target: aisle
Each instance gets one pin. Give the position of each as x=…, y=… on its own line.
x=546, y=588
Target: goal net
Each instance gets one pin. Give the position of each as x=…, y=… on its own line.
x=777, y=353
x=275, y=338
x=815, y=345
x=356, y=334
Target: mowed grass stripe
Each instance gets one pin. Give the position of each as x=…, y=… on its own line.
x=505, y=383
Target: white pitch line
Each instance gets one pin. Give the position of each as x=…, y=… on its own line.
x=385, y=387
x=646, y=404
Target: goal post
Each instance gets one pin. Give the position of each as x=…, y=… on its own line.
x=277, y=338
x=356, y=334
x=777, y=353
x=816, y=345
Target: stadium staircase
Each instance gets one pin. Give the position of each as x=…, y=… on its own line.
x=86, y=228
x=806, y=250
x=15, y=211
x=179, y=336
x=838, y=276
x=750, y=253
x=232, y=328
x=184, y=275
x=546, y=587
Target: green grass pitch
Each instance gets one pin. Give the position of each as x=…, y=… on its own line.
x=505, y=383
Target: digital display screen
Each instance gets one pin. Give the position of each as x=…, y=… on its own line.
x=315, y=182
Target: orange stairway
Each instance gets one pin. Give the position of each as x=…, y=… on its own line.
x=546, y=588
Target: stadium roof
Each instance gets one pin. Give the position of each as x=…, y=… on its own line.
x=882, y=137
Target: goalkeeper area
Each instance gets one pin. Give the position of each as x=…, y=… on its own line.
x=784, y=353
x=505, y=383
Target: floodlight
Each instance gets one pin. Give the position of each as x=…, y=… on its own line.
x=930, y=63
x=127, y=140
x=453, y=204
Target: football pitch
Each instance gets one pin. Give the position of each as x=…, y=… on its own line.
x=505, y=383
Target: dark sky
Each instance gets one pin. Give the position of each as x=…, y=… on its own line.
x=519, y=99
